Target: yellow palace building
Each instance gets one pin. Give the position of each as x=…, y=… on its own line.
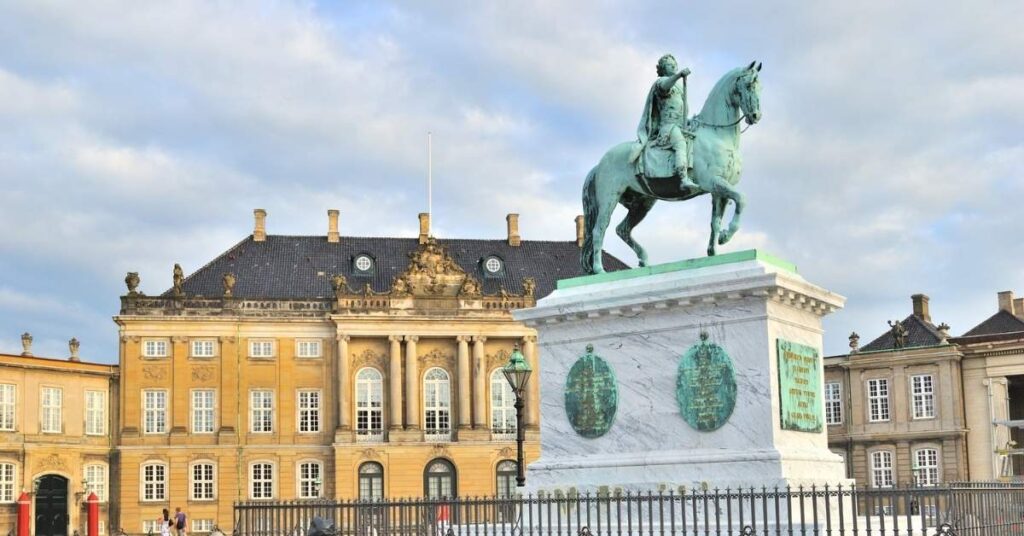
x=300, y=367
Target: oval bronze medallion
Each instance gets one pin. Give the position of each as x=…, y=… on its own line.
x=591, y=395
x=706, y=386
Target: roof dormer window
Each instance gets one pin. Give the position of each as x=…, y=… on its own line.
x=363, y=264
x=493, y=266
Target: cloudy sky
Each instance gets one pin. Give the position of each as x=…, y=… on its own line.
x=140, y=134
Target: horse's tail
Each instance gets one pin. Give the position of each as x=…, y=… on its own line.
x=589, y=221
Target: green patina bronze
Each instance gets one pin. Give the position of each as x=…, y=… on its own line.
x=591, y=395
x=706, y=386
x=674, y=158
x=799, y=387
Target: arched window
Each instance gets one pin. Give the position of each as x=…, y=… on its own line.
x=154, y=481
x=204, y=481
x=881, y=469
x=437, y=403
x=7, y=482
x=261, y=480
x=506, y=478
x=503, y=409
x=310, y=479
x=371, y=481
x=926, y=467
x=439, y=480
x=369, y=406
x=95, y=475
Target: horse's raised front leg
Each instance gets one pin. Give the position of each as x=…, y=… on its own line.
x=638, y=208
x=717, y=208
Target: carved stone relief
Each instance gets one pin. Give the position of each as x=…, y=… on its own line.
x=154, y=372
x=203, y=373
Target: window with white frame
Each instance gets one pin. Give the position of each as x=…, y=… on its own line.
x=8, y=401
x=878, y=400
x=309, y=411
x=369, y=405
x=95, y=412
x=881, y=469
x=154, y=411
x=307, y=348
x=154, y=348
x=151, y=526
x=203, y=411
x=204, y=348
x=204, y=482
x=310, y=480
x=926, y=467
x=503, y=407
x=7, y=482
x=96, y=480
x=52, y=404
x=371, y=481
x=261, y=480
x=261, y=348
x=154, y=482
x=261, y=404
x=202, y=525
x=437, y=404
x=923, y=396
x=833, y=403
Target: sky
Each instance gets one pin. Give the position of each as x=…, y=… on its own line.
x=140, y=134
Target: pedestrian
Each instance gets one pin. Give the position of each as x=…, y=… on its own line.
x=180, y=521
x=165, y=523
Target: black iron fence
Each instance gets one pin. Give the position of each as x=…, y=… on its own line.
x=974, y=509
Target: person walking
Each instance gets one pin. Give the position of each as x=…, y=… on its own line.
x=165, y=523
x=180, y=521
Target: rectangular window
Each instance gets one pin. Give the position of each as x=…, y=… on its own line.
x=96, y=480
x=202, y=525
x=307, y=348
x=203, y=484
x=923, y=395
x=202, y=411
x=154, y=348
x=262, y=480
x=833, y=403
x=150, y=526
x=261, y=349
x=203, y=348
x=262, y=411
x=881, y=469
x=926, y=467
x=53, y=399
x=95, y=413
x=7, y=482
x=154, y=482
x=309, y=480
x=309, y=411
x=154, y=411
x=8, y=399
x=878, y=400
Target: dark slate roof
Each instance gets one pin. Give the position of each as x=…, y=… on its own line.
x=997, y=324
x=301, y=266
x=919, y=333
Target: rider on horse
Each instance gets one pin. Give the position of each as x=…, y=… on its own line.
x=664, y=124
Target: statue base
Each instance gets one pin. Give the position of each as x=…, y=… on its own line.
x=641, y=322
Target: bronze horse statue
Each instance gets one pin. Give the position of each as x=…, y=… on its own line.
x=716, y=170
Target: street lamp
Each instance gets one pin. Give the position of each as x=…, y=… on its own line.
x=517, y=372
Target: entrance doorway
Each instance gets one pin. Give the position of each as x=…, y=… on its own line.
x=52, y=506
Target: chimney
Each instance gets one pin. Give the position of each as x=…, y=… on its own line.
x=579, y=231
x=1006, y=302
x=1018, y=307
x=424, y=227
x=513, y=229
x=73, y=345
x=26, y=344
x=332, y=226
x=921, y=307
x=259, y=233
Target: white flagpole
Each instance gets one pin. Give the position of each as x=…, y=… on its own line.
x=430, y=178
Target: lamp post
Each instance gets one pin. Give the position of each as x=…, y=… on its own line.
x=517, y=372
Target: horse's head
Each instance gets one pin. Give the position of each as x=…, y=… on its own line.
x=748, y=92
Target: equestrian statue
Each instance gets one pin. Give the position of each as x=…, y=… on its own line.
x=675, y=158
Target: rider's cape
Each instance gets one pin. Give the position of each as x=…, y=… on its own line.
x=651, y=158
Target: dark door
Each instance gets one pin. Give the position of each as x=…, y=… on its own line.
x=52, y=506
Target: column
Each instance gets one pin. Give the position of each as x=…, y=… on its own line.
x=344, y=384
x=412, y=384
x=395, y=375
x=532, y=395
x=465, y=412
x=479, y=377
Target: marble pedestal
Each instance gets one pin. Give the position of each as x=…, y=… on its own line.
x=641, y=322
